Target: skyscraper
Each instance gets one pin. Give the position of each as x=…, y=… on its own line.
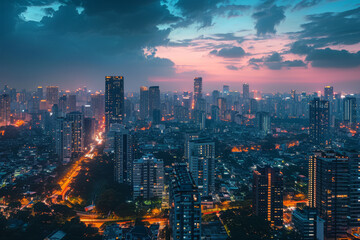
x=246, y=91
x=197, y=89
x=268, y=194
x=4, y=110
x=52, y=95
x=154, y=100
x=263, y=122
x=308, y=224
x=202, y=164
x=40, y=92
x=97, y=102
x=124, y=156
x=63, y=135
x=144, y=103
x=114, y=100
x=319, y=121
x=334, y=181
x=328, y=93
x=185, y=212
x=76, y=120
x=349, y=110
x=71, y=103
x=148, y=177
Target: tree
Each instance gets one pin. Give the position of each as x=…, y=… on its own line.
x=41, y=207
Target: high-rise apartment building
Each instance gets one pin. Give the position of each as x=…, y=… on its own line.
x=185, y=202
x=144, y=103
x=97, y=102
x=329, y=93
x=202, y=164
x=268, y=194
x=63, y=138
x=71, y=103
x=114, y=100
x=154, y=100
x=349, y=111
x=4, y=110
x=197, y=89
x=246, y=91
x=148, y=177
x=52, y=95
x=319, y=118
x=334, y=181
x=124, y=156
x=308, y=224
x=76, y=120
x=263, y=122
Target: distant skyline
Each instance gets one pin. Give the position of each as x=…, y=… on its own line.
x=274, y=45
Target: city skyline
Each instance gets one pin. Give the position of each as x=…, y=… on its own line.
x=272, y=45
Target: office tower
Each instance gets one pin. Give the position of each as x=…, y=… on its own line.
x=97, y=102
x=185, y=212
x=114, y=100
x=52, y=95
x=154, y=100
x=202, y=164
x=246, y=91
x=349, y=111
x=319, y=121
x=76, y=120
x=144, y=103
x=334, y=181
x=263, y=122
x=197, y=89
x=226, y=90
x=328, y=93
x=148, y=177
x=308, y=224
x=71, y=103
x=124, y=155
x=268, y=194
x=40, y=92
x=34, y=105
x=4, y=109
x=63, y=139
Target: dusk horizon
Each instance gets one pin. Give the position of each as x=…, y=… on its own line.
x=272, y=45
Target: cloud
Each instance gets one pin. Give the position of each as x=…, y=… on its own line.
x=328, y=29
x=202, y=12
x=268, y=16
x=329, y=58
x=232, y=67
x=231, y=52
x=86, y=46
x=275, y=61
x=306, y=4
x=300, y=48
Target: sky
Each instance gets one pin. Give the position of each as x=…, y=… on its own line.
x=274, y=45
